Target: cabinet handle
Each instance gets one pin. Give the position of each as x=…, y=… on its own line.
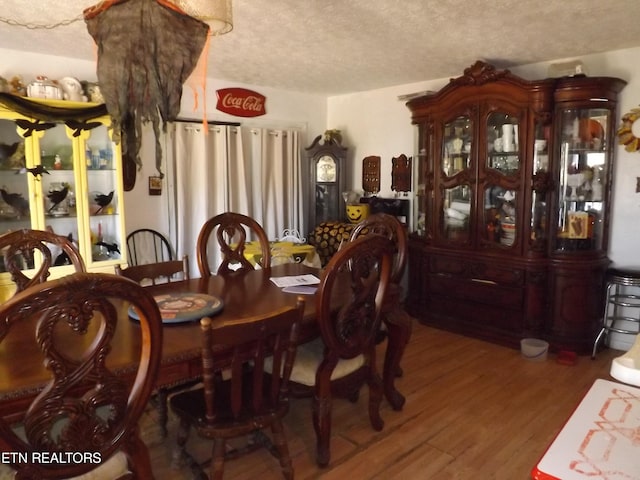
x=489, y=282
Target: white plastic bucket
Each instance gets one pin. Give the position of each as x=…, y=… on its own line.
x=534, y=349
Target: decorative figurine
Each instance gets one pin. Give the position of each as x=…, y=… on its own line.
x=103, y=200
x=17, y=201
x=72, y=89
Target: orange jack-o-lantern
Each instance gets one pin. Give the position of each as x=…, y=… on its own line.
x=358, y=212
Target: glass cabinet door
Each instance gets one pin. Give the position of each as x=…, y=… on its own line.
x=15, y=208
x=15, y=205
x=456, y=146
x=541, y=184
x=502, y=169
x=503, y=143
x=423, y=173
x=500, y=214
x=102, y=203
x=455, y=162
x=584, y=169
x=57, y=188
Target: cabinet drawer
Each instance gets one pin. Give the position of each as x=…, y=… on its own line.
x=476, y=317
x=504, y=276
x=449, y=266
x=477, y=291
x=477, y=271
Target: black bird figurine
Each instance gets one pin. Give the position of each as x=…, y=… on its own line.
x=103, y=200
x=35, y=171
x=7, y=150
x=17, y=201
x=29, y=127
x=111, y=247
x=57, y=196
x=63, y=258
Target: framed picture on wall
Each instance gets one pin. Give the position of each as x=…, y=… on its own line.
x=155, y=185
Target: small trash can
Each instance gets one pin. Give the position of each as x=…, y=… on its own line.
x=534, y=349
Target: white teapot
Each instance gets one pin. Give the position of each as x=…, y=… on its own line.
x=72, y=89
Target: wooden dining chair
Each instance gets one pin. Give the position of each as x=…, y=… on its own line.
x=18, y=250
x=86, y=409
x=156, y=273
x=396, y=321
x=146, y=245
x=153, y=274
x=232, y=231
x=390, y=227
x=343, y=358
x=238, y=399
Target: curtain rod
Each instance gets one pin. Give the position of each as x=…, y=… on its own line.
x=209, y=122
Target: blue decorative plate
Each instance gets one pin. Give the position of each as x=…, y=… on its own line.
x=184, y=307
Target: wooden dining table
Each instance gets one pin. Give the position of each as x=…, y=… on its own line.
x=22, y=373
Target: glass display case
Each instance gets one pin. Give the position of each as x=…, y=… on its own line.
x=512, y=186
x=63, y=176
x=582, y=138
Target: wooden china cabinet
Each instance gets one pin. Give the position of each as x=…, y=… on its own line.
x=512, y=206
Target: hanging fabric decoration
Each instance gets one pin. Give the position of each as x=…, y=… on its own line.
x=146, y=51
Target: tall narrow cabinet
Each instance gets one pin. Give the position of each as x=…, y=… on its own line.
x=512, y=206
x=60, y=170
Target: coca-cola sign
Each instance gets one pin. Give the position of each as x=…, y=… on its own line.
x=241, y=102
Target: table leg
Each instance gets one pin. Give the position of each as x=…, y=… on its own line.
x=398, y=324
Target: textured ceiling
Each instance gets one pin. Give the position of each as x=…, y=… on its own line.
x=338, y=46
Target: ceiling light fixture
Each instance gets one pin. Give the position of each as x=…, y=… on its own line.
x=215, y=13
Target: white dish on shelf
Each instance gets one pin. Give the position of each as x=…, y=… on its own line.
x=455, y=214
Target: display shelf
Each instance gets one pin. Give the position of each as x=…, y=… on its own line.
x=48, y=176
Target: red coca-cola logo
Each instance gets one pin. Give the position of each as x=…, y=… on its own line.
x=241, y=102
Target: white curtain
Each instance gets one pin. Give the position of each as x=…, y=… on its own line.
x=276, y=175
x=246, y=170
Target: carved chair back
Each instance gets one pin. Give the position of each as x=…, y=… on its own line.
x=390, y=227
x=351, y=330
x=231, y=232
x=18, y=249
x=154, y=273
x=85, y=406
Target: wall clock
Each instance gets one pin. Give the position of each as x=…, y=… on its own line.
x=328, y=180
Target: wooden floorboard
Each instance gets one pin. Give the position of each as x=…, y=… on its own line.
x=474, y=411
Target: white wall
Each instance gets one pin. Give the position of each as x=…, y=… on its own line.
x=377, y=123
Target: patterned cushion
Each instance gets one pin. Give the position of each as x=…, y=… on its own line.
x=308, y=359
x=326, y=238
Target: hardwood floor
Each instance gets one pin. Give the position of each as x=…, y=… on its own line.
x=474, y=411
